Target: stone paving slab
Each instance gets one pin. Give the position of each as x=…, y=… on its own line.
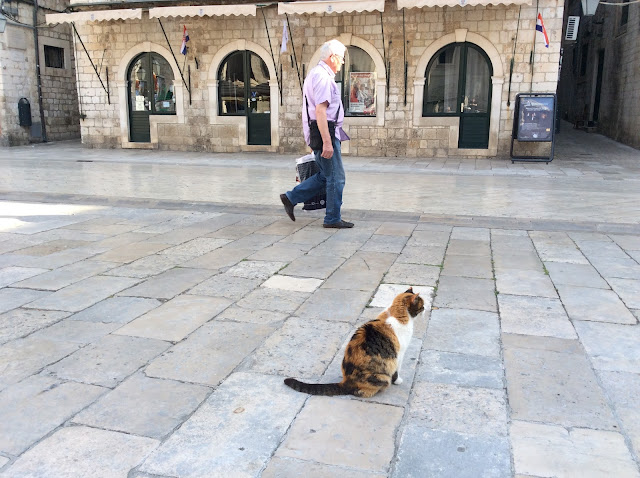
x=36, y=406
x=194, y=248
x=83, y=294
x=280, y=252
x=616, y=268
x=467, y=266
x=254, y=316
x=331, y=304
x=131, y=252
x=211, y=353
x=254, y=269
x=466, y=293
x=628, y=290
x=363, y=271
x=300, y=348
x=468, y=247
x=599, y=305
x=25, y=357
x=516, y=259
x=64, y=454
x=426, y=255
x=276, y=300
x=108, y=361
x=315, y=266
x=117, y=309
x=298, y=284
x=335, y=431
x=75, y=331
x=467, y=410
x=219, y=258
x=611, y=347
x=460, y=369
x=168, y=284
x=534, y=316
x=226, y=285
x=447, y=454
x=282, y=467
x=175, y=319
x=545, y=375
x=11, y=275
x=525, y=282
x=415, y=274
x=384, y=243
x=234, y=433
x=19, y=323
x=13, y=298
x=623, y=390
x=67, y=275
x=582, y=275
x=144, y=406
x=546, y=450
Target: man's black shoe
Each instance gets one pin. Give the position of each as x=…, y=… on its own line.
x=339, y=225
x=288, y=207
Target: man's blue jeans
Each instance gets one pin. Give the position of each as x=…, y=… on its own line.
x=330, y=177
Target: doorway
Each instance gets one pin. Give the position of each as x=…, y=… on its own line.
x=150, y=91
x=243, y=90
x=458, y=84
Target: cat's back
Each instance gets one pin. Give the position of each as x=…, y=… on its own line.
x=376, y=337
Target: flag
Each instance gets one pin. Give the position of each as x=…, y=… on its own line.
x=185, y=39
x=285, y=37
x=540, y=27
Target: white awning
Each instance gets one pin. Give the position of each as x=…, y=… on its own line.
x=340, y=6
x=454, y=3
x=95, y=16
x=202, y=11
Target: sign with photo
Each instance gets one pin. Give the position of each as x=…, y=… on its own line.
x=535, y=118
x=362, y=93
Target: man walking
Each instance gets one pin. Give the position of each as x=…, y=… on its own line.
x=322, y=103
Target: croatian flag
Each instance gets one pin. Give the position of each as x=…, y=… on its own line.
x=185, y=39
x=539, y=26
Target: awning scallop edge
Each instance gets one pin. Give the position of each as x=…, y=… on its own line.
x=94, y=16
x=458, y=3
x=342, y=6
x=202, y=11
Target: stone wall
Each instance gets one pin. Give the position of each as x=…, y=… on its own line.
x=18, y=79
x=395, y=134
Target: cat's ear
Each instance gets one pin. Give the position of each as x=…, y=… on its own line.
x=409, y=290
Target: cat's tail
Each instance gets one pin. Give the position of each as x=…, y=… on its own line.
x=327, y=389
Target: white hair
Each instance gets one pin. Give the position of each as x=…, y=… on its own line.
x=332, y=47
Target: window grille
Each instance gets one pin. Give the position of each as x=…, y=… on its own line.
x=53, y=56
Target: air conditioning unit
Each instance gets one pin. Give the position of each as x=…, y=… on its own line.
x=572, y=28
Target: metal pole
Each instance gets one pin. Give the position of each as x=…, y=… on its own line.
x=176, y=60
x=404, y=46
x=39, y=80
x=90, y=61
x=515, y=41
x=293, y=48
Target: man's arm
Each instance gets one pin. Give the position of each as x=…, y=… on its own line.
x=323, y=126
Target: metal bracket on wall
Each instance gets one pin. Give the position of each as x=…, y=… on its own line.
x=106, y=89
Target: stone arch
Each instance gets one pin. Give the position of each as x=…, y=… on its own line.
x=241, y=122
x=154, y=120
x=497, y=80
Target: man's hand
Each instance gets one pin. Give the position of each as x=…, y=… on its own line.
x=323, y=127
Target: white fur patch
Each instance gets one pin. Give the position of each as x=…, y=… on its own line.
x=404, y=332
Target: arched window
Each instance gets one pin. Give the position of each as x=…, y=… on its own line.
x=357, y=78
x=243, y=75
x=151, y=85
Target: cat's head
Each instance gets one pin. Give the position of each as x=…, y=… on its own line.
x=413, y=302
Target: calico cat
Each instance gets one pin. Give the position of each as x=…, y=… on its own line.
x=374, y=354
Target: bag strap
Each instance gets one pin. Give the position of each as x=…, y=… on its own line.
x=309, y=117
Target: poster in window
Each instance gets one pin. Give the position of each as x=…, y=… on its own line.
x=535, y=118
x=362, y=93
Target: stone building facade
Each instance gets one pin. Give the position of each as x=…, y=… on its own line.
x=467, y=45
x=18, y=79
x=599, y=86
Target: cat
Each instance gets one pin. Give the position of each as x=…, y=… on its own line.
x=374, y=354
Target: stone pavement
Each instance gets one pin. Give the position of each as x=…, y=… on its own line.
x=150, y=307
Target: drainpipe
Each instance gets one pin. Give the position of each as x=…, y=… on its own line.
x=39, y=80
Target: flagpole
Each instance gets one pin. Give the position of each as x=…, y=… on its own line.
x=533, y=52
x=175, y=59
